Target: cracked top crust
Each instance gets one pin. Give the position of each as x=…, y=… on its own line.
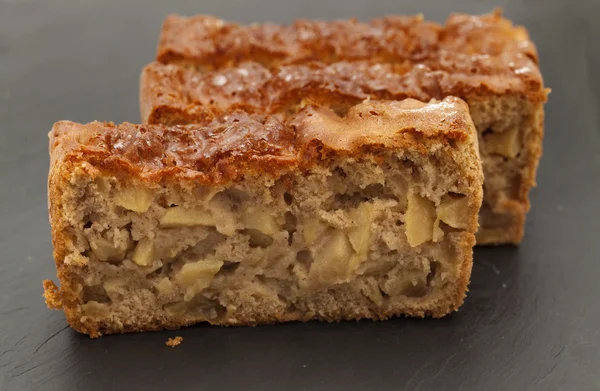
x=469, y=54
x=229, y=147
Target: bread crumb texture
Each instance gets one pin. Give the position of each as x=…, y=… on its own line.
x=174, y=342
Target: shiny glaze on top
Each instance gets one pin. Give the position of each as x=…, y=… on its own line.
x=470, y=45
x=237, y=144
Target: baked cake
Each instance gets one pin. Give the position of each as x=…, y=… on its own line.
x=249, y=218
x=205, y=67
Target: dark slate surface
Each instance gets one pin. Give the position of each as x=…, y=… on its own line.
x=531, y=321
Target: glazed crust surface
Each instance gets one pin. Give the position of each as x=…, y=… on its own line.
x=270, y=67
x=468, y=47
x=172, y=94
x=237, y=144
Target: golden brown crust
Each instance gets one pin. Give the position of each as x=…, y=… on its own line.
x=171, y=94
x=339, y=63
x=469, y=53
x=239, y=144
x=216, y=152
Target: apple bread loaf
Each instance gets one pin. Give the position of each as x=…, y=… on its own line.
x=206, y=66
x=250, y=218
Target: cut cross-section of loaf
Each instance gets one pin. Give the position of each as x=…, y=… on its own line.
x=251, y=219
x=206, y=66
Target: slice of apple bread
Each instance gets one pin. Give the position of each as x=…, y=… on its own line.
x=251, y=218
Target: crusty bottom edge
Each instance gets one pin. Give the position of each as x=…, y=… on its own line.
x=453, y=301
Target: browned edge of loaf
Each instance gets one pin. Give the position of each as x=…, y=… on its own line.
x=485, y=44
x=469, y=55
x=156, y=155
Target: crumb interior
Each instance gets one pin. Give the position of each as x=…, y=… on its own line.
x=505, y=126
x=364, y=236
